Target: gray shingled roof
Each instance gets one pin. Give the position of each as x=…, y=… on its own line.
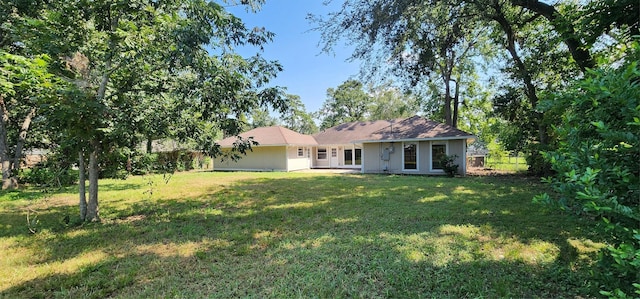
x=350, y=132
x=410, y=128
x=416, y=127
x=272, y=136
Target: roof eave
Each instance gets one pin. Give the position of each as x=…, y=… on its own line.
x=274, y=145
x=467, y=137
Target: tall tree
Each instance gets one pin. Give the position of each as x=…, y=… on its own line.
x=348, y=102
x=389, y=102
x=443, y=38
x=297, y=118
x=415, y=40
x=262, y=118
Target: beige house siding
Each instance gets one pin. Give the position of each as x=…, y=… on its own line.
x=346, y=145
x=294, y=161
x=267, y=158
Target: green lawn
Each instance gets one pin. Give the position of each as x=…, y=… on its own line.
x=506, y=163
x=283, y=235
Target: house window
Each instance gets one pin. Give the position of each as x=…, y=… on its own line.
x=348, y=157
x=358, y=156
x=438, y=151
x=322, y=153
x=334, y=152
x=300, y=152
x=410, y=156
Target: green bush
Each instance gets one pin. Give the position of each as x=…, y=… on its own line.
x=449, y=166
x=168, y=162
x=538, y=164
x=53, y=172
x=597, y=166
x=113, y=164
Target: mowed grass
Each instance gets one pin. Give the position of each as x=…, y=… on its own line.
x=284, y=235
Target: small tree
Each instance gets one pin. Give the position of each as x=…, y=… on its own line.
x=24, y=84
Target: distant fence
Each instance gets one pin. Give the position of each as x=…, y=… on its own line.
x=507, y=163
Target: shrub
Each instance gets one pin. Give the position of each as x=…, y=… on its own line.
x=597, y=168
x=168, y=162
x=53, y=172
x=449, y=166
x=113, y=164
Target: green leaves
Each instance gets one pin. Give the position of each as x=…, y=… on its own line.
x=597, y=162
x=139, y=69
x=347, y=103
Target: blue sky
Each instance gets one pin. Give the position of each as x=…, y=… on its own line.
x=307, y=72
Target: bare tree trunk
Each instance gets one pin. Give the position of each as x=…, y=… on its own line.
x=446, y=69
x=447, y=102
x=93, y=214
x=6, y=173
x=4, y=158
x=149, y=145
x=92, y=205
x=19, y=146
x=456, y=102
x=82, y=186
x=446, y=77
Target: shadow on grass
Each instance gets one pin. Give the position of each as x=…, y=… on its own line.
x=119, y=186
x=326, y=236
x=209, y=274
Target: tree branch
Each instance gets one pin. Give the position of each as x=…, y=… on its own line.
x=578, y=51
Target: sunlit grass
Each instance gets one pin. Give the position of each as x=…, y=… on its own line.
x=295, y=235
x=505, y=163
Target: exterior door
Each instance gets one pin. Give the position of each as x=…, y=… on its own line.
x=333, y=157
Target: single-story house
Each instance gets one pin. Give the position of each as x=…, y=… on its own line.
x=279, y=149
x=411, y=145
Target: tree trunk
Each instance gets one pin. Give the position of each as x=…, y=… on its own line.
x=6, y=173
x=446, y=77
x=447, y=103
x=149, y=145
x=530, y=89
x=82, y=186
x=92, y=205
x=456, y=102
x=4, y=157
x=564, y=27
x=22, y=137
